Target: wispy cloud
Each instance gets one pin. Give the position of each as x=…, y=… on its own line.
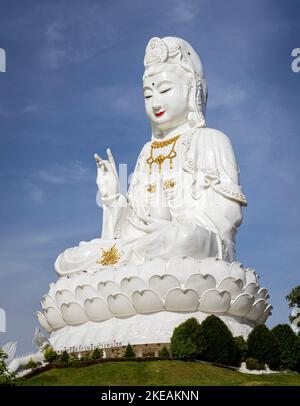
x=77, y=37
x=120, y=98
x=35, y=193
x=228, y=96
x=183, y=11
x=31, y=108
x=62, y=174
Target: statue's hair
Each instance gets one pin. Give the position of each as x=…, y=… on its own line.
x=176, y=51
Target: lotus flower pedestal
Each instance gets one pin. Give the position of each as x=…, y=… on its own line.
x=142, y=304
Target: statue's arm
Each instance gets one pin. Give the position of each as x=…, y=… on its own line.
x=114, y=214
x=223, y=194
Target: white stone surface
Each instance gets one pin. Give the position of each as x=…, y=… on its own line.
x=138, y=329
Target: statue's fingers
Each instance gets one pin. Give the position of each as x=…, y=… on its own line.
x=138, y=226
x=146, y=219
x=111, y=160
x=103, y=165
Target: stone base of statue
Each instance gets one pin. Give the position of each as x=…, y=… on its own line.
x=142, y=304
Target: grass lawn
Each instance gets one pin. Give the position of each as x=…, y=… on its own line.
x=156, y=373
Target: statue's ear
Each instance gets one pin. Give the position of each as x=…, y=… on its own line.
x=191, y=96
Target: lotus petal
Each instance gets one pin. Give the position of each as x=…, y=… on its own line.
x=9, y=349
x=182, y=300
x=251, y=288
x=153, y=266
x=131, y=284
x=97, y=310
x=214, y=301
x=84, y=292
x=162, y=284
x=120, y=305
x=241, y=305
x=47, y=301
x=231, y=285
x=182, y=267
x=251, y=276
x=257, y=310
x=73, y=314
x=200, y=283
x=237, y=271
x=63, y=283
x=147, y=301
x=43, y=322
x=263, y=294
x=54, y=318
x=64, y=296
x=107, y=288
x=262, y=319
x=216, y=267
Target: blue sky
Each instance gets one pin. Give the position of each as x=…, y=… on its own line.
x=73, y=87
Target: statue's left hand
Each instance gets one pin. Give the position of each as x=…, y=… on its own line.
x=107, y=176
x=150, y=223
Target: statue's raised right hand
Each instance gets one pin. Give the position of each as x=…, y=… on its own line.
x=107, y=177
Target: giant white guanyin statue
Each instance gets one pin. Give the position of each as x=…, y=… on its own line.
x=167, y=248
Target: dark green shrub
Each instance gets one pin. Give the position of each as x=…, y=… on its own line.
x=129, y=353
x=184, y=340
x=286, y=340
x=242, y=346
x=50, y=355
x=96, y=354
x=164, y=353
x=264, y=346
x=149, y=353
x=65, y=357
x=31, y=364
x=291, y=357
x=216, y=343
x=74, y=362
x=6, y=378
x=254, y=364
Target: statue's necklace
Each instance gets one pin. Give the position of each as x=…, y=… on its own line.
x=159, y=160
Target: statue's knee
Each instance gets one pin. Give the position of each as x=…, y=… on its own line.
x=187, y=235
x=196, y=241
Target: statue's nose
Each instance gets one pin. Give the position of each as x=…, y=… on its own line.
x=156, y=107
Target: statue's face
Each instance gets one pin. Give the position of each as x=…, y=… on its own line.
x=166, y=94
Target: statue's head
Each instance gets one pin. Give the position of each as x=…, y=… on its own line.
x=175, y=87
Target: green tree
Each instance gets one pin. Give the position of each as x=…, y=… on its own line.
x=96, y=354
x=264, y=346
x=295, y=356
x=286, y=339
x=6, y=378
x=65, y=357
x=164, y=353
x=216, y=343
x=31, y=364
x=50, y=355
x=242, y=346
x=129, y=353
x=184, y=340
x=293, y=299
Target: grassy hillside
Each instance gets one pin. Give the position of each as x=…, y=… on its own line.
x=156, y=373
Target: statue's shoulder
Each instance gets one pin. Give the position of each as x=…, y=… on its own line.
x=211, y=135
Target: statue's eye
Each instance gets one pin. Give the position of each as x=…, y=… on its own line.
x=148, y=96
x=165, y=90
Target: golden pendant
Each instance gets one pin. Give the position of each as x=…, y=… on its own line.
x=159, y=160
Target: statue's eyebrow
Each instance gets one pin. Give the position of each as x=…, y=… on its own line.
x=164, y=82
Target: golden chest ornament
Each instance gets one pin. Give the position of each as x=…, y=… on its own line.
x=159, y=159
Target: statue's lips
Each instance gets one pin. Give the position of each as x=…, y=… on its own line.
x=159, y=114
